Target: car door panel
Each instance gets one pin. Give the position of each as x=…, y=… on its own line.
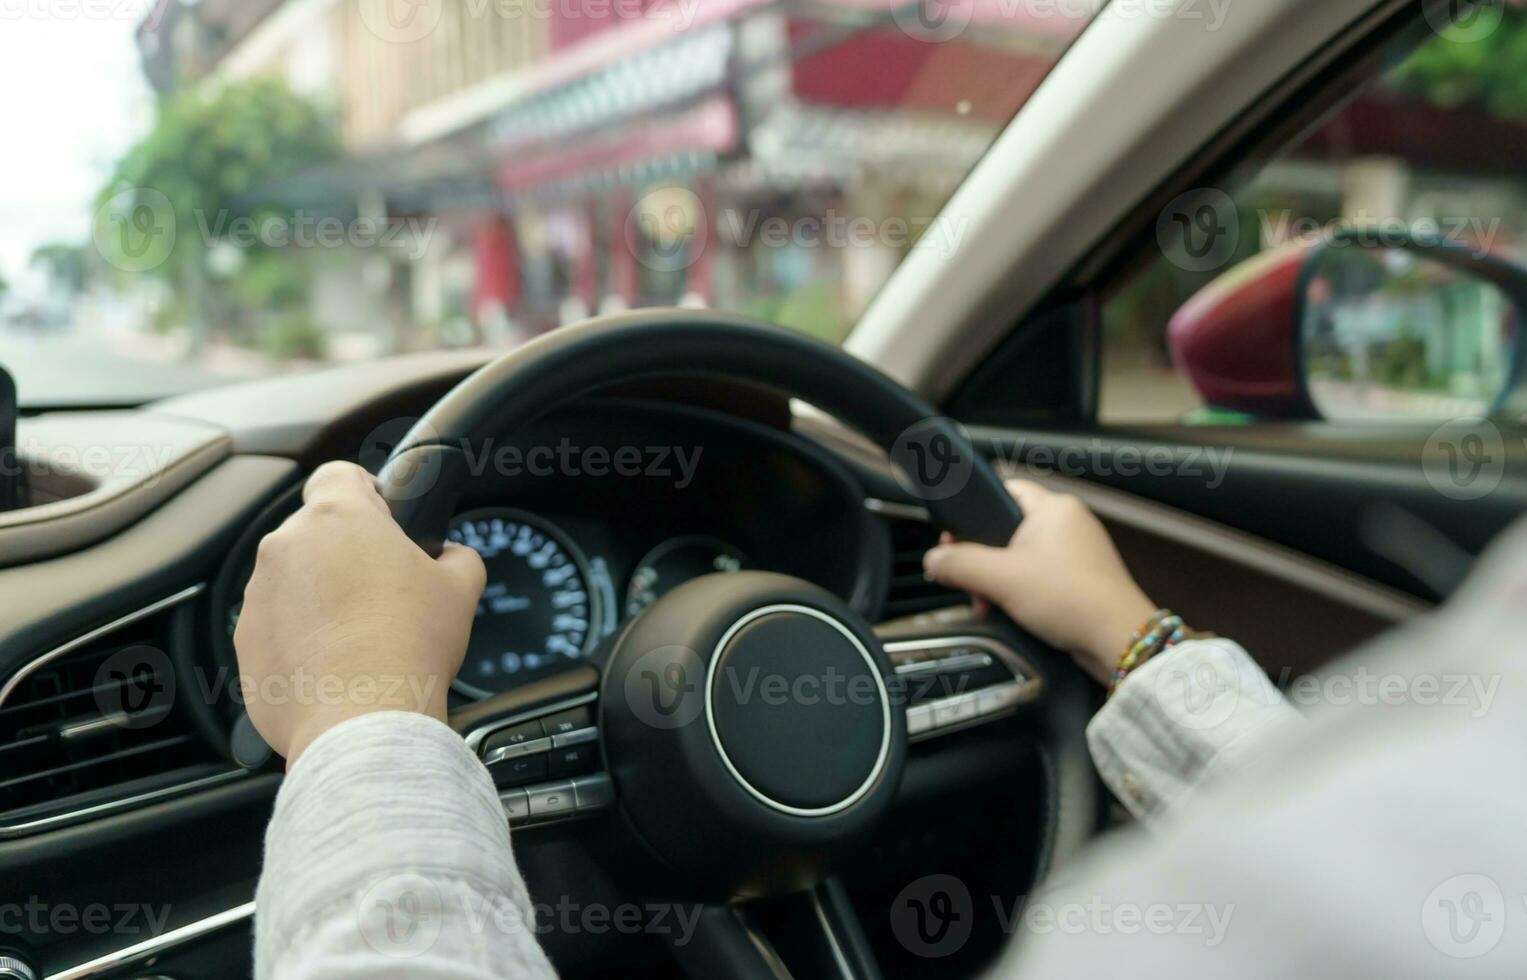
x=1381, y=508
x=1238, y=585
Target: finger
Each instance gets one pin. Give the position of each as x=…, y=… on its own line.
x=335, y=479
x=465, y=565
x=1029, y=494
x=970, y=568
x=341, y=482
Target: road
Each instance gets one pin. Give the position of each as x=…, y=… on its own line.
x=51, y=370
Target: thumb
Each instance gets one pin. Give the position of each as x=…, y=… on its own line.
x=465, y=566
x=974, y=568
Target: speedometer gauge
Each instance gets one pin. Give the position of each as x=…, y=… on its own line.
x=536, y=614
x=675, y=562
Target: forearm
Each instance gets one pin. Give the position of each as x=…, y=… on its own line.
x=388, y=855
x=1179, y=720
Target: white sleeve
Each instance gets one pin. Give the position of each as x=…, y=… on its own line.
x=1379, y=837
x=388, y=856
x=1174, y=724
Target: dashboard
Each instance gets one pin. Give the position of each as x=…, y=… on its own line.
x=584, y=519
x=591, y=515
x=120, y=589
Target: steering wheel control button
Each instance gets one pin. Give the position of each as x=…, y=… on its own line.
x=948, y=714
x=954, y=711
x=552, y=799
x=567, y=722
x=999, y=698
x=595, y=792
x=530, y=731
x=518, y=771
x=786, y=683
x=947, y=668
x=927, y=663
x=560, y=800
x=516, y=804
x=574, y=760
x=492, y=756
x=579, y=737
x=955, y=682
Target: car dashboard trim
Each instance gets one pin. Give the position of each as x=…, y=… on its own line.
x=10, y=831
x=63, y=650
x=126, y=956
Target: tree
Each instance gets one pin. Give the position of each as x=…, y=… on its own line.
x=210, y=160
x=1459, y=69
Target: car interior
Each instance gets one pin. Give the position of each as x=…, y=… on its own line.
x=646, y=484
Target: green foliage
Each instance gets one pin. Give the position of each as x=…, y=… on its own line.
x=213, y=158
x=1489, y=72
x=64, y=264
x=169, y=316
x=292, y=335
x=1401, y=364
x=268, y=305
x=210, y=166
x=271, y=280
x=811, y=309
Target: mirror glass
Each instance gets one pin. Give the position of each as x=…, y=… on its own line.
x=1393, y=333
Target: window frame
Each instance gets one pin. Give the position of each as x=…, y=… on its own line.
x=1285, y=114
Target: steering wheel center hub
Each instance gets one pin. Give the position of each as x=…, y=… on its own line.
x=798, y=710
x=749, y=726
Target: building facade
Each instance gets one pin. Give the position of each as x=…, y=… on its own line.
x=569, y=157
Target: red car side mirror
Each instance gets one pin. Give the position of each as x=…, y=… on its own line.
x=1235, y=338
x=1362, y=324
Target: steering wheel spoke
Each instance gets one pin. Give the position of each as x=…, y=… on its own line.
x=815, y=933
x=541, y=744
x=1046, y=697
x=953, y=681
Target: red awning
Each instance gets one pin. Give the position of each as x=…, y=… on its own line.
x=885, y=68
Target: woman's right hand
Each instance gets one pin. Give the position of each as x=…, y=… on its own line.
x=1060, y=577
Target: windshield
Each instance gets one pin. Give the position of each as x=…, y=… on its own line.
x=199, y=191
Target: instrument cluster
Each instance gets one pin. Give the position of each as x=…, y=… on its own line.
x=548, y=601
x=574, y=550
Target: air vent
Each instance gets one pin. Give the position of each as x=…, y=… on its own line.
x=97, y=724
x=910, y=593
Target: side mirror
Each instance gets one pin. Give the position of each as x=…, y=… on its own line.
x=1234, y=340
x=1361, y=326
x=1408, y=330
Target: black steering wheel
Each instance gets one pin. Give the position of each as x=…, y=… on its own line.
x=735, y=794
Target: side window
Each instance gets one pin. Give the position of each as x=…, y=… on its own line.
x=1373, y=270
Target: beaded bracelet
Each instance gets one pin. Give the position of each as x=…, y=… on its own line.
x=1163, y=630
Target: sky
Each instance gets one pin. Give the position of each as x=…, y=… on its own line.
x=72, y=98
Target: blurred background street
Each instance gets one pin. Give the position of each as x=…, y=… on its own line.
x=222, y=189
x=46, y=366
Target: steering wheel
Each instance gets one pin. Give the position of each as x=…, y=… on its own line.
x=734, y=794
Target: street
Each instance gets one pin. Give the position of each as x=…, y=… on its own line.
x=71, y=370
